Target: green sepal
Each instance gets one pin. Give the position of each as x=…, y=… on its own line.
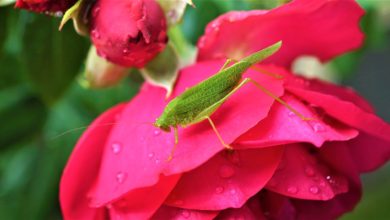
x=77, y=14
x=174, y=9
x=163, y=70
x=6, y=2
x=100, y=73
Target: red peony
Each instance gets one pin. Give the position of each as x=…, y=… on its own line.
x=130, y=32
x=282, y=167
x=46, y=6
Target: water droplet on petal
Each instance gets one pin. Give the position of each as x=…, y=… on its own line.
x=318, y=127
x=125, y=51
x=331, y=180
x=156, y=132
x=309, y=171
x=150, y=155
x=314, y=189
x=226, y=171
x=116, y=148
x=233, y=191
x=219, y=190
x=292, y=189
x=121, y=177
x=95, y=34
x=157, y=161
x=95, y=11
x=185, y=213
x=291, y=114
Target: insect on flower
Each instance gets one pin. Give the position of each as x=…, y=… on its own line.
x=199, y=102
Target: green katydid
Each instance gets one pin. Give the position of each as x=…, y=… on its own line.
x=199, y=102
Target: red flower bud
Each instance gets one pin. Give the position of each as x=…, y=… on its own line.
x=47, y=6
x=130, y=32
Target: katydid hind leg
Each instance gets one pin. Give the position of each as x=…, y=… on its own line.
x=281, y=101
x=263, y=71
x=218, y=134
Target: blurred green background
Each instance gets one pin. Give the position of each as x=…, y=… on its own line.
x=41, y=98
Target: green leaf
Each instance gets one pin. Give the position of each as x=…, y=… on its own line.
x=162, y=71
x=52, y=59
x=18, y=124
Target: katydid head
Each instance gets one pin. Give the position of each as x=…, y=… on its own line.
x=161, y=123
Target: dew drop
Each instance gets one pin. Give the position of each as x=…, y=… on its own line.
x=151, y=154
x=121, y=177
x=226, y=171
x=331, y=180
x=291, y=114
x=233, y=191
x=156, y=132
x=219, y=190
x=125, y=51
x=292, y=189
x=95, y=34
x=58, y=14
x=116, y=148
x=309, y=171
x=314, y=189
x=185, y=213
x=318, y=127
x=95, y=11
x=157, y=161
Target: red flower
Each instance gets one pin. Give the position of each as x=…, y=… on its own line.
x=129, y=33
x=320, y=28
x=47, y=6
x=282, y=167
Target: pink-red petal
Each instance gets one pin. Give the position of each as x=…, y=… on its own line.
x=227, y=180
x=306, y=27
x=283, y=126
x=346, y=112
x=82, y=168
x=144, y=202
x=343, y=93
x=337, y=156
x=368, y=152
x=249, y=211
x=173, y=213
x=301, y=175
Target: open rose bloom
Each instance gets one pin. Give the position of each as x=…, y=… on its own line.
x=282, y=167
